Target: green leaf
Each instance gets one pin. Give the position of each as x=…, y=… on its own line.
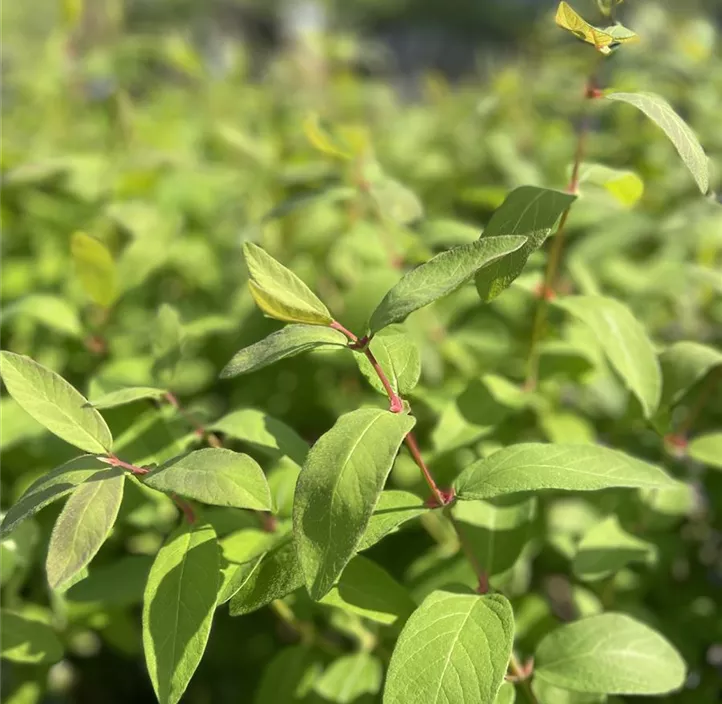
x=393, y=509
x=624, y=342
x=396, y=201
x=338, y=488
x=53, y=486
x=677, y=130
x=26, y=639
x=606, y=549
x=398, y=356
x=454, y=648
x=529, y=211
x=279, y=293
x=53, y=312
x=121, y=397
x=683, y=365
x=498, y=530
x=289, y=676
x=348, y=679
x=95, y=268
x=264, y=432
x=438, y=277
x=167, y=344
x=178, y=607
x=82, y=527
x=507, y=694
x=54, y=403
x=331, y=195
x=603, y=40
x=549, y=694
x=707, y=449
x=626, y=187
x=119, y=583
x=287, y=342
x=612, y=654
x=533, y=467
x=278, y=574
x=321, y=139
x=214, y=476
x=242, y=551
x=368, y=590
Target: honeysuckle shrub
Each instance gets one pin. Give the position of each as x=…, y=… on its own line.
x=314, y=395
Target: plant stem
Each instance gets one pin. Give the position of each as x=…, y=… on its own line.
x=413, y=446
x=557, y=245
x=521, y=675
x=114, y=461
x=396, y=404
x=202, y=432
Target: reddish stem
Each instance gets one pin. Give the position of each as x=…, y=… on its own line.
x=185, y=507
x=397, y=405
x=337, y=326
x=114, y=461
x=440, y=497
x=201, y=430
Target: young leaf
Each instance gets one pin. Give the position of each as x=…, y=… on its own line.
x=624, y=342
x=438, y=277
x=121, y=397
x=707, y=449
x=683, y=365
x=677, y=130
x=288, y=678
x=277, y=575
x=454, y=648
x=53, y=486
x=529, y=211
x=214, y=476
x=603, y=40
x=279, y=293
x=349, y=678
x=370, y=591
x=82, y=527
x=96, y=269
x=54, y=403
x=606, y=548
x=338, y=488
x=178, y=606
x=398, y=356
x=264, y=432
x=533, y=467
x=612, y=654
x=28, y=640
x=287, y=342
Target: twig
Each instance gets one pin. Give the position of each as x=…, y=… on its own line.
x=521, y=674
x=468, y=549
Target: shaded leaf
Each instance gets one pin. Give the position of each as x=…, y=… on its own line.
x=27, y=639
x=454, y=648
x=287, y=342
x=606, y=548
x=214, y=476
x=349, y=678
x=289, y=676
x=438, y=277
x=529, y=211
x=393, y=509
x=241, y=553
x=368, y=590
x=261, y=430
x=680, y=134
x=398, y=356
x=53, y=486
x=533, y=467
x=54, y=403
x=167, y=344
x=683, y=365
x=279, y=293
x=95, y=268
x=338, y=488
x=178, y=607
x=82, y=527
x=611, y=653
x=624, y=342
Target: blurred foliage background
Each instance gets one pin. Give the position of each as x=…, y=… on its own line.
x=172, y=130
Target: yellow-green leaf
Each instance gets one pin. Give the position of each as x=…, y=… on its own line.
x=603, y=40
x=321, y=139
x=95, y=268
x=279, y=293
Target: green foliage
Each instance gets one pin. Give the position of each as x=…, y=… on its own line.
x=529, y=512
